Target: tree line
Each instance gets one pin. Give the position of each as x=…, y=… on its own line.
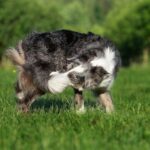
x=126, y=22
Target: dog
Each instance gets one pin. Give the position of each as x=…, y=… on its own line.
x=52, y=61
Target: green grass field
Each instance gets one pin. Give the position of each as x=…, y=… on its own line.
x=53, y=124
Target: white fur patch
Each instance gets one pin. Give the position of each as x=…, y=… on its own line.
x=54, y=73
x=78, y=69
x=107, y=61
x=59, y=81
x=20, y=95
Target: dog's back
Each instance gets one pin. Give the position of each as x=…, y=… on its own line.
x=63, y=50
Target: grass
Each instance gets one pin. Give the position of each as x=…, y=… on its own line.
x=53, y=124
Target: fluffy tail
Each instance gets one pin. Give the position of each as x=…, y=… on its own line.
x=16, y=55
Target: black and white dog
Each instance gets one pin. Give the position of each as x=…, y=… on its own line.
x=52, y=61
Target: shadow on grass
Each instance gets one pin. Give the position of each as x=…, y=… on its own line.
x=57, y=105
x=50, y=104
x=90, y=103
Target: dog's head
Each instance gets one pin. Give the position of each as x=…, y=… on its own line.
x=90, y=80
x=95, y=77
x=77, y=80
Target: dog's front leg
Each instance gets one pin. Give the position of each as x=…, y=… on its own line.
x=106, y=101
x=79, y=101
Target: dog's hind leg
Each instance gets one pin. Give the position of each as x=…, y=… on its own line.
x=79, y=101
x=25, y=103
x=26, y=92
x=20, y=98
x=26, y=98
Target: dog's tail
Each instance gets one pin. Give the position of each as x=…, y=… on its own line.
x=16, y=55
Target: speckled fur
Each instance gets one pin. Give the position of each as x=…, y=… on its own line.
x=60, y=51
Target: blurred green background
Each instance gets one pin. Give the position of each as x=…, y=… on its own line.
x=126, y=22
x=52, y=122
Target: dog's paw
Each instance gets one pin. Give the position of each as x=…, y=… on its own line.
x=109, y=109
x=82, y=110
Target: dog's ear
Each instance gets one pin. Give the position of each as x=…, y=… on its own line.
x=99, y=71
x=102, y=71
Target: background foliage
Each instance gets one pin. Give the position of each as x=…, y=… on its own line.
x=52, y=122
x=126, y=22
x=129, y=27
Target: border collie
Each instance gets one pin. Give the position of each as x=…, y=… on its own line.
x=52, y=61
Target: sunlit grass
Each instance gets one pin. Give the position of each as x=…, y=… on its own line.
x=53, y=124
